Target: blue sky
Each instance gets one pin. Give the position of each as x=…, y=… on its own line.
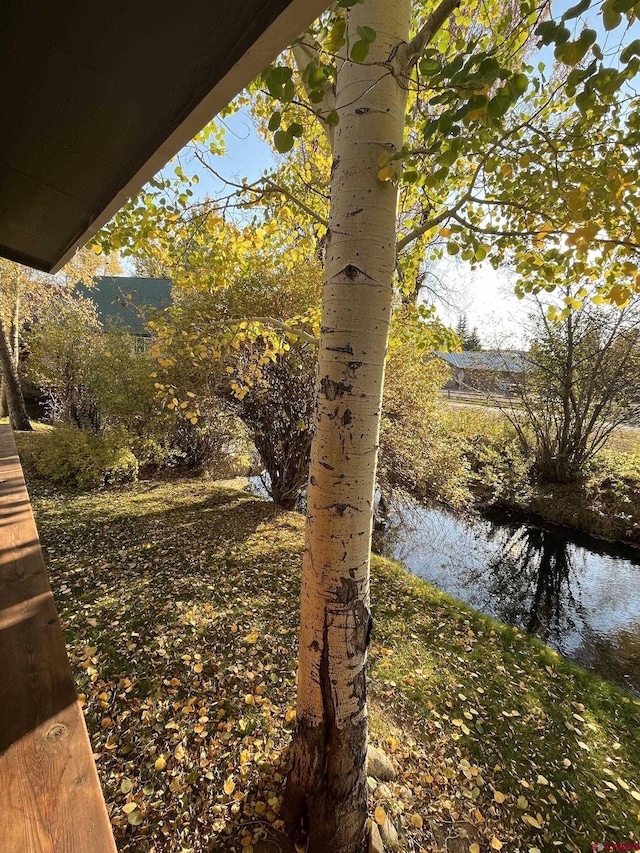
x=247, y=155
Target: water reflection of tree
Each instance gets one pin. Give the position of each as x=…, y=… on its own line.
x=524, y=575
x=403, y=526
x=528, y=579
x=532, y=579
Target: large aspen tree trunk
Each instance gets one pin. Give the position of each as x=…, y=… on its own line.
x=326, y=788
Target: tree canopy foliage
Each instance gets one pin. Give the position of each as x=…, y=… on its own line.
x=508, y=155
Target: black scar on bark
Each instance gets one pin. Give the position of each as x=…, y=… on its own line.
x=342, y=508
x=332, y=389
x=347, y=418
x=348, y=349
x=326, y=690
x=364, y=626
x=351, y=272
x=347, y=592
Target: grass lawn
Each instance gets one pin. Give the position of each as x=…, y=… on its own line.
x=179, y=602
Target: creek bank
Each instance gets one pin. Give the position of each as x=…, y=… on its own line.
x=547, y=509
x=594, y=512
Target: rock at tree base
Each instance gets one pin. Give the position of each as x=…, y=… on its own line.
x=375, y=841
x=379, y=765
x=389, y=834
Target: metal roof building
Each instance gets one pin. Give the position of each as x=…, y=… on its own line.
x=495, y=361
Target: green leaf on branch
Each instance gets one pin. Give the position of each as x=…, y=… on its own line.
x=279, y=81
x=585, y=101
x=573, y=52
x=283, y=141
x=336, y=39
x=274, y=122
x=630, y=51
x=499, y=105
x=429, y=65
x=611, y=18
x=359, y=51
x=315, y=76
x=550, y=32
x=367, y=34
x=576, y=10
x=518, y=85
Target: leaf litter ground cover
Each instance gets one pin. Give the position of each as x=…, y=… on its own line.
x=179, y=602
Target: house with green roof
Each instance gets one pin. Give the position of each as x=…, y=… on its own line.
x=125, y=302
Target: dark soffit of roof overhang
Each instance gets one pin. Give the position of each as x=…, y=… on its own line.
x=96, y=97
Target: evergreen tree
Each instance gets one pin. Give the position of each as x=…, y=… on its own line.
x=461, y=329
x=472, y=342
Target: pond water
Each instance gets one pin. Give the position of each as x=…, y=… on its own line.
x=578, y=594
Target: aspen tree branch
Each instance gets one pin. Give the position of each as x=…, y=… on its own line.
x=275, y=188
x=304, y=54
x=409, y=53
x=501, y=202
x=497, y=232
x=271, y=187
x=271, y=321
x=426, y=226
x=441, y=217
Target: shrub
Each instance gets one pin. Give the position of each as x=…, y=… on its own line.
x=217, y=444
x=417, y=453
x=612, y=490
x=79, y=459
x=498, y=471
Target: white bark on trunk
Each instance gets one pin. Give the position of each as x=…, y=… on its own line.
x=327, y=785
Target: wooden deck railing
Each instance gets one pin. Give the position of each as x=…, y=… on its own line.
x=50, y=796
